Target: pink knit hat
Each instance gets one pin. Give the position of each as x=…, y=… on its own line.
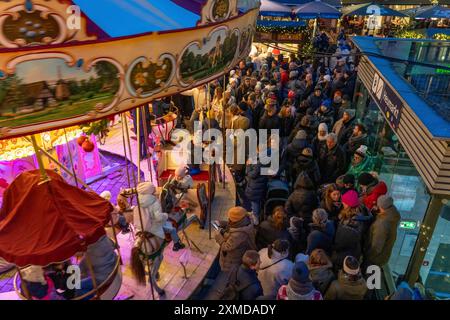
x=351, y=199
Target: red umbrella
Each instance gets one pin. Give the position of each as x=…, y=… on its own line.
x=45, y=223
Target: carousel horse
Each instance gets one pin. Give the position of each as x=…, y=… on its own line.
x=147, y=251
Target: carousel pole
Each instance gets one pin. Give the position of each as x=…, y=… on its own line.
x=210, y=167
x=44, y=176
x=125, y=124
x=138, y=130
x=91, y=271
x=71, y=158
x=145, y=127
x=60, y=165
x=123, y=118
x=224, y=153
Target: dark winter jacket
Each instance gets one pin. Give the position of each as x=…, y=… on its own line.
x=321, y=238
x=326, y=117
x=308, y=165
x=321, y=277
x=332, y=164
x=347, y=242
x=256, y=183
x=294, y=149
x=303, y=200
x=343, y=130
x=257, y=114
x=270, y=122
x=287, y=125
x=333, y=210
x=267, y=234
x=319, y=147
x=345, y=289
x=382, y=236
x=248, y=284
x=354, y=143
x=314, y=101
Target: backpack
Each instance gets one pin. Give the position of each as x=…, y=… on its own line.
x=234, y=288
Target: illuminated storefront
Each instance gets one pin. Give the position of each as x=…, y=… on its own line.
x=405, y=108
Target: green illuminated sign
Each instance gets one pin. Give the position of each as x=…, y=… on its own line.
x=443, y=71
x=410, y=225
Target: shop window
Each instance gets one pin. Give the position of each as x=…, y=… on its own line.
x=435, y=270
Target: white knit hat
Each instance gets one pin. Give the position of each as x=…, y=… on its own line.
x=327, y=77
x=362, y=151
x=106, y=195
x=347, y=270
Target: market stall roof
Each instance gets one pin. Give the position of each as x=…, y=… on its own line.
x=428, y=12
x=280, y=24
x=45, y=223
x=126, y=18
x=368, y=9
x=274, y=9
x=334, y=3
x=317, y=9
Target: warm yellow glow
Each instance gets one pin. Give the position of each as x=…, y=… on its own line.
x=19, y=148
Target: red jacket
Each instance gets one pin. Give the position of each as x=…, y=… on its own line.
x=284, y=78
x=370, y=199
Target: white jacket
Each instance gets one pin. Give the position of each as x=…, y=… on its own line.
x=276, y=275
x=153, y=218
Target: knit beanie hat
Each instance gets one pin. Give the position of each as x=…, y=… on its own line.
x=146, y=188
x=365, y=179
x=236, y=214
x=181, y=172
x=301, y=135
x=350, y=198
x=351, y=266
x=323, y=127
x=385, y=202
x=106, y=195
x=300, y=273
x=327, y=77
x=361, y=151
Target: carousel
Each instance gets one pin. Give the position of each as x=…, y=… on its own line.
x=75, y=85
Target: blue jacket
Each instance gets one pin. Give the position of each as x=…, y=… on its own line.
x=321, y=238
x=256, y=183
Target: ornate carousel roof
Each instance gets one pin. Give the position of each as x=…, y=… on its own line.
x=65, y=62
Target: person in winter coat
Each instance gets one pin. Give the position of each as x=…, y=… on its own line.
x=235, y=238
x=305, y=163
x=299, y=143
x=273, y=228
x=332, y=161
x=320, y=270
x=308, y=124
x=350, y=82
x=350, y=284
x=343, y=128
x=361, y=162
x=257, y=108
x=39, y=285
x=349, y=233
x=287, y=119
x=371, y=189
x=154, y=220
x=275, y=269
x=358, y=138
x=270, y=120
x=382, y=232
x=256, y=187
x=331, y=202
x=325, y=113
x=320, y=141
x=297, y=235
x=300, y=286
x=315, y=99
x=303, y=200
x=322, y=232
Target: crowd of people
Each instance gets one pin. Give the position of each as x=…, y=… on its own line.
x=338, y=219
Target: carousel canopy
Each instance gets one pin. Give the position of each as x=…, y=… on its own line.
x=125, y=18
x=317, y=9
x=45, y=223
x=368, y=9
x=273, y=9
x=429, y=12
x=334, y=3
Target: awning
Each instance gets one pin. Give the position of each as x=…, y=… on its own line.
x=131, y=17
x=429, y=12
x=45, y=223
x=273, y=9
x=280, y=24
x=317, y=9
x=368, y=9
x=296, y=3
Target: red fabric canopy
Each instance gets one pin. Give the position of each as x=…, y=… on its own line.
x=45, y=223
